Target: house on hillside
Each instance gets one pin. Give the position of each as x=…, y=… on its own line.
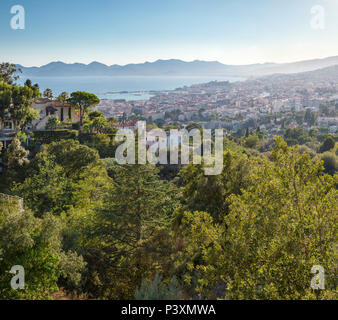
x=49, y=108
x=7, y=131
x=7, y=124
x=131, y=125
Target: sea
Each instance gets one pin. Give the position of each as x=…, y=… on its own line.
x=124, y=87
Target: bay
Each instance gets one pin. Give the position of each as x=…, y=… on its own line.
x=124, y=87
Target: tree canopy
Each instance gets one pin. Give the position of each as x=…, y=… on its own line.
x=9, y=72
x=265, y=250
x=83, y=101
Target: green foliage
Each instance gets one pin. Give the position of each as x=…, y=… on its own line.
x=310, y=117
x=48, y=93
x=28, y=83
x=63, y=97
x=330, y=162
x=72, y=156
x=133, y=221
x=83, y=101
x=211, y=193
x=104, y=145
x=52, y=123
x=15, y=155
x=95, y=114
x=9, y=72
x=251, y=141
x=108, y=231
x=22, y=137
x=45, y=189
x=34, y=244
x=17, y=102
x=277, y=230
x=308, y=150
x=327, y=145
x=76, y=126
x=157, y=290
x=35, y=88
x=15, y=162
x=47, y=137
x=99, y=123
x=296, y=136
x=60, y=177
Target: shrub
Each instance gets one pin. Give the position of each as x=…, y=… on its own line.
x=330, y=162
x=157, y=290
x=76, y=126
x=52, y=123
x=47, y=136
x=327, y=145
x=251, y=141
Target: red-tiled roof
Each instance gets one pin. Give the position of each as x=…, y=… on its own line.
x=51, y=103
x=58, y=104
x=41, y=100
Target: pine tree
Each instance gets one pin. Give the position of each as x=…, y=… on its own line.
x=133, y=228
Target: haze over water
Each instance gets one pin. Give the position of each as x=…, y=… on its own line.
x=109, y=87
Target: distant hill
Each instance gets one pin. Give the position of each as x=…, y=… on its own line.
x=176, y=68
x=323, y=74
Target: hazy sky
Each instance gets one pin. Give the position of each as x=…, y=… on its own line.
x=134, y=31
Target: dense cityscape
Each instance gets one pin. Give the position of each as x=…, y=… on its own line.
x=271, y=103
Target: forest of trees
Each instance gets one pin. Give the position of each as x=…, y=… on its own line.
x=93, y=229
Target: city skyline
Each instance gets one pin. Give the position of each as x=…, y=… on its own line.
x=234, y=33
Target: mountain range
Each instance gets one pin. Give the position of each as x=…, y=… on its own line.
x=176, y=67
x=328, y=74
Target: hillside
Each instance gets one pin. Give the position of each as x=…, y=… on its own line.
x=176, y=68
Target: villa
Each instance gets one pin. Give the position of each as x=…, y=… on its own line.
x=47, y=108
x=131, y=125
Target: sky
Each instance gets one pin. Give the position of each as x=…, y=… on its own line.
x=136, y=31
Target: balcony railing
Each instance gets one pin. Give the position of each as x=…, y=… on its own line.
x=7, y=132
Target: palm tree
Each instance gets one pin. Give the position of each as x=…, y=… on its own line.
x=48, y=93
x=63, y=97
